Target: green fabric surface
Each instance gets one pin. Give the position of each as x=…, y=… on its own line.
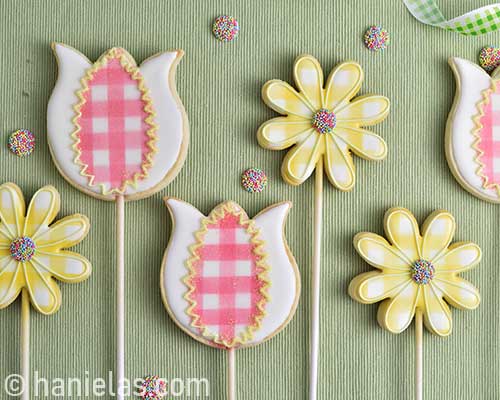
x=219, y=84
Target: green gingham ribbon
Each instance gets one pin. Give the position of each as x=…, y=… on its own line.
x=478, y=22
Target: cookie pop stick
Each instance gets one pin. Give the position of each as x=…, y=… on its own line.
x=324, y=124
x=117, y=132
x=32, y=254
x=417, y=275
x=229, y=281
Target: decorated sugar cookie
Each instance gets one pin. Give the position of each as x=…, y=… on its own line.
x=472, y=132
x=227, y=280
x=117, y=131
x=33, y=255
x=115, y=128
x=324, y=124
x=417, y=275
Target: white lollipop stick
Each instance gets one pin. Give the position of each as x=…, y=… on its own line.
x=120, y=295
x=418, y=355
x=25, y=343
x=316, y=282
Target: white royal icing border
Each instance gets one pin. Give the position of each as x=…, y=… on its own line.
x=284, y=288
x=472, y=81
x=158, y=72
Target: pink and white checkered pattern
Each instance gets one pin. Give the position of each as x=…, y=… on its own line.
x=489, y=135
x=227, y=288
x=113, y=135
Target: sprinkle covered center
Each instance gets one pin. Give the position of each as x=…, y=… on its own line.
x=324, y=121
x=22, y=249
x=422, y=272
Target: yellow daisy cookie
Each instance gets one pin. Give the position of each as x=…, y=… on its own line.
x=323, y=122
x=31, y=251
x=416, y=271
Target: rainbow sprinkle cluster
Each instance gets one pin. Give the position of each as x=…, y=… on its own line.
x=153, y=388
x=489, y=58
x=376, y=38
x=324, y=121
x=225, y=28
x=423, y=272
x=22, y=142
x=254, y=180
x=22, y=249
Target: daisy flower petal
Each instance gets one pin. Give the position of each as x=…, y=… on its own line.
x=64, y=233
x=44, y=292
x=343, y=84
x=363, y=143
x=300, y=162
x=458, y=292
x=402, y=231
x=372, y=287
x=459, y=258
x=396, y=314
x=284, y=99
x=12, y=210
x=364, y=111
x=42, y=210
x=11, y=283
x=5, y=259
x=437, y=233
x=377, y=252
x=309, y=79
x=64, y=265
x=282, y=132
x=437, y=315
x=338, y=164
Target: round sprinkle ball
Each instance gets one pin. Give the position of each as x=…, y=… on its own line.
x=225, y=28
x=22, y=249
x=489, y=58
x=153, y=388
x=254, y=180
x=376, y=38
x=324, y=121
x=422, y=272
x=22, y=142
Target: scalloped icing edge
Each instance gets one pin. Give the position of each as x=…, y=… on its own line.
x=215, y=215
x=128, y=63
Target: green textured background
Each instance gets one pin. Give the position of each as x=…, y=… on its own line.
x=220, y=88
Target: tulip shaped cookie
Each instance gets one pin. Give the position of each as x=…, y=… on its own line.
x=115, y=128
x=473, y=130
x=228, y=280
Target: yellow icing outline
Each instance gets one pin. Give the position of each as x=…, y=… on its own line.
x=128, y=63
x=216, y=215
x=486, y=94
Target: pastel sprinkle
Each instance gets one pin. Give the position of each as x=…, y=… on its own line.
x=324, y=121
x=376, y=38
x=489, y=58
x=22, y=249
x=422, y=272
x=22, y=142
x=153, y=388
x=254, y=180
x=225, y=28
